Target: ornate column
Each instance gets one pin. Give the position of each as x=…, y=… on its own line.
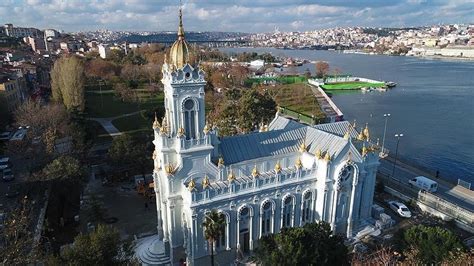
x=251, y=230
x=238, y=230
x=334, y=204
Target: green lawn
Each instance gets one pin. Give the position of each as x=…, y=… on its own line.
x=352, y=85
x=299, y=98
x=108, y=105
x=133, y=124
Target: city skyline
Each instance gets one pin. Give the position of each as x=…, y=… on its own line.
x=233, y=16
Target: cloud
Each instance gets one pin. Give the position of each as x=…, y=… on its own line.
x=231, y=15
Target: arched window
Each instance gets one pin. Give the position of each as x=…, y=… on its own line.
x=189, y=119
x=287, y=211
x=307, y=202
x=266, y=218
x=221, y=241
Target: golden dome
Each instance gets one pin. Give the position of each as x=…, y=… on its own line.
x=298, y=163
x=205, y=182
x=191, y=185
x=255, y=172
x=278, y=167
x=179, y=52
x=169, y=169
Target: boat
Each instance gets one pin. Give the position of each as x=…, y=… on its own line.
x=381, y=89
x=390, y=84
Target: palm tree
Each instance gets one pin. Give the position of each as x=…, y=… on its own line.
x=213, y=224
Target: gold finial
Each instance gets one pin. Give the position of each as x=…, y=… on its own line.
x=262, y=127
x=327, y=157
x=346, y=135
x=180, y=132
x=319, y=154
x=255, y=172
x=156, y=124
x=303, y=147
x=298, y=163
x=364, y=150
x=180, y=27
x=191, y=185
x=361, y=134
x=265, y=128
x=205, y=182
x=231, y=176
x=153, y=156
x=169, y=169
x=277, y=167
x=220, y=162
x=366, y=131
x=166, y=59
x=206, y=129
x=164, y=125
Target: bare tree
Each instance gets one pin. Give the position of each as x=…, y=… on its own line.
x=322, y=68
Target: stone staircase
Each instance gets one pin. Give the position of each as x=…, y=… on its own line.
x=151, y=251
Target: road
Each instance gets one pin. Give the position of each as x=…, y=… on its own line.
x=461, y=197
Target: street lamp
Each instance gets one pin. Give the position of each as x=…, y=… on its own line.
x=384, y=131
x=398, y=136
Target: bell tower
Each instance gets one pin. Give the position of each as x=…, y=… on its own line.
x=184, y=91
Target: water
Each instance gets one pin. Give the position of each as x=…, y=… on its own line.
x=432, y=106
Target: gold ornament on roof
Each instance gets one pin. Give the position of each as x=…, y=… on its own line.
x=206, y=129
x=153, y=156
x=366, y=131
x=255, y=172
x=205, y=182
x=361, y=135
x=164, y=126
x=180, y=132
x=262, y=127
x=302, y=147
x=220, y=162
x=298, y=163
x=277, y=167
x=364, y=150
x=327, y=157
x=191, y=185
x=319, y=154
x=169, y=169
x=231, y=176
x=156, y=124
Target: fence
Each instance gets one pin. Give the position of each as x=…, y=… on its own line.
x=450, y=209
x=464, y=184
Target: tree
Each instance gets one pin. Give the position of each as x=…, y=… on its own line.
x=121, y=152
x=213, y=224
x=100, y=247
x=312, y=244
x=67, y=82
x=16, y=239
x=254, y=108
x=432, y=245
x=63, y=168
x=322, y=68
x=102, y=69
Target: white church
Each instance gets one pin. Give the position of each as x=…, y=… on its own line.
x=286, y=175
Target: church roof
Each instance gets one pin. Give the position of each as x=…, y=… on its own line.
x=284, y=137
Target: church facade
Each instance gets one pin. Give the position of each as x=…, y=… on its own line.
x=286, y=175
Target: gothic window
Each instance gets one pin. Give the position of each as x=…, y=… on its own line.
x=345, y=174
x=287, y=211
x=266, y=218
x=189, y=119
x=307, y=202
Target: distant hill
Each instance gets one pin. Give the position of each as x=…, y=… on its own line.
x=169, y=37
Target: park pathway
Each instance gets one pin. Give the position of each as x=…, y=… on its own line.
x=106, y=123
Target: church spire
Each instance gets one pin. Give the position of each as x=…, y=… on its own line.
x=180, y=27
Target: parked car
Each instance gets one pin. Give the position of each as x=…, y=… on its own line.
x=400, y=208
x=7, y=174
x=424, y=183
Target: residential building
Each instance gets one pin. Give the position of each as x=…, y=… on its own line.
x=13, y=90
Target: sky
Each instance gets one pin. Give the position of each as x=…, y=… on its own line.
x=232, y=15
